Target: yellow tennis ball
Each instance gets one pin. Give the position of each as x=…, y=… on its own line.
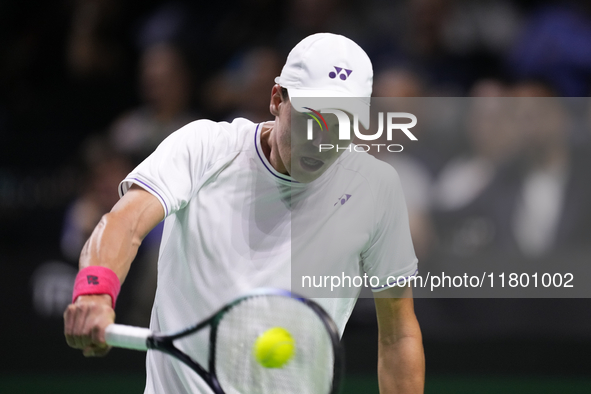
x=274, y=348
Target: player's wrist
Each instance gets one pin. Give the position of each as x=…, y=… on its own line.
x=94, y=299
x=97, y=280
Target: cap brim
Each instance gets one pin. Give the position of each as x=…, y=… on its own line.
x=325, y=99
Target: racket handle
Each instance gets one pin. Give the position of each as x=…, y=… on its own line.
x=128, y=337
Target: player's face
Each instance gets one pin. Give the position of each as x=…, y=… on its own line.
x=303, y=158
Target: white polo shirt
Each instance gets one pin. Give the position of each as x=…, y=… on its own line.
x=234, y=224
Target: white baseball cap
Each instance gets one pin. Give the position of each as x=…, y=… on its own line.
x=330, y=65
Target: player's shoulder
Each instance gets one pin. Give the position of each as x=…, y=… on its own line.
x=211, y=135
x=230, y=131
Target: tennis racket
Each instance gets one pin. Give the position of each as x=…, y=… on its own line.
x=315, y=368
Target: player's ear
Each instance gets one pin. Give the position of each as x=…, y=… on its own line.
x=276, y=100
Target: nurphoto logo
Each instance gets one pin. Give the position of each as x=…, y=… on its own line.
x=345, y=129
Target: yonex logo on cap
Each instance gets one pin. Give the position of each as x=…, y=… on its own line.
x=342, y=73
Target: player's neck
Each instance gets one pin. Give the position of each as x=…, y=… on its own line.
x=270, y=147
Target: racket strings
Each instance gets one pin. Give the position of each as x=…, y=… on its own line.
x=310, y=370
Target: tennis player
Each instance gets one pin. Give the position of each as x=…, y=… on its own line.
x=229, y=194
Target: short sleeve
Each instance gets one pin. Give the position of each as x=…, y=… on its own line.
x=390, y=255
x=172, y=172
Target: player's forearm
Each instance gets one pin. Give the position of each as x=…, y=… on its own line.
x=113, y=244
x=401, y=365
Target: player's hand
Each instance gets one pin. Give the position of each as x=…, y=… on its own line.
x=85, y=322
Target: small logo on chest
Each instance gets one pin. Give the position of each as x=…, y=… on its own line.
x=342, y=199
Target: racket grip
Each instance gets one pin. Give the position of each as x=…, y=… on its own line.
x=128, y=337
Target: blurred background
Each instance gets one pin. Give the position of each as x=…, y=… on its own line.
x=88, y=88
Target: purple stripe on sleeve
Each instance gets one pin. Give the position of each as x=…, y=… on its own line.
x=155, y=192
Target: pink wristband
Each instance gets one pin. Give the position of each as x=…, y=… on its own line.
x=96, y=280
